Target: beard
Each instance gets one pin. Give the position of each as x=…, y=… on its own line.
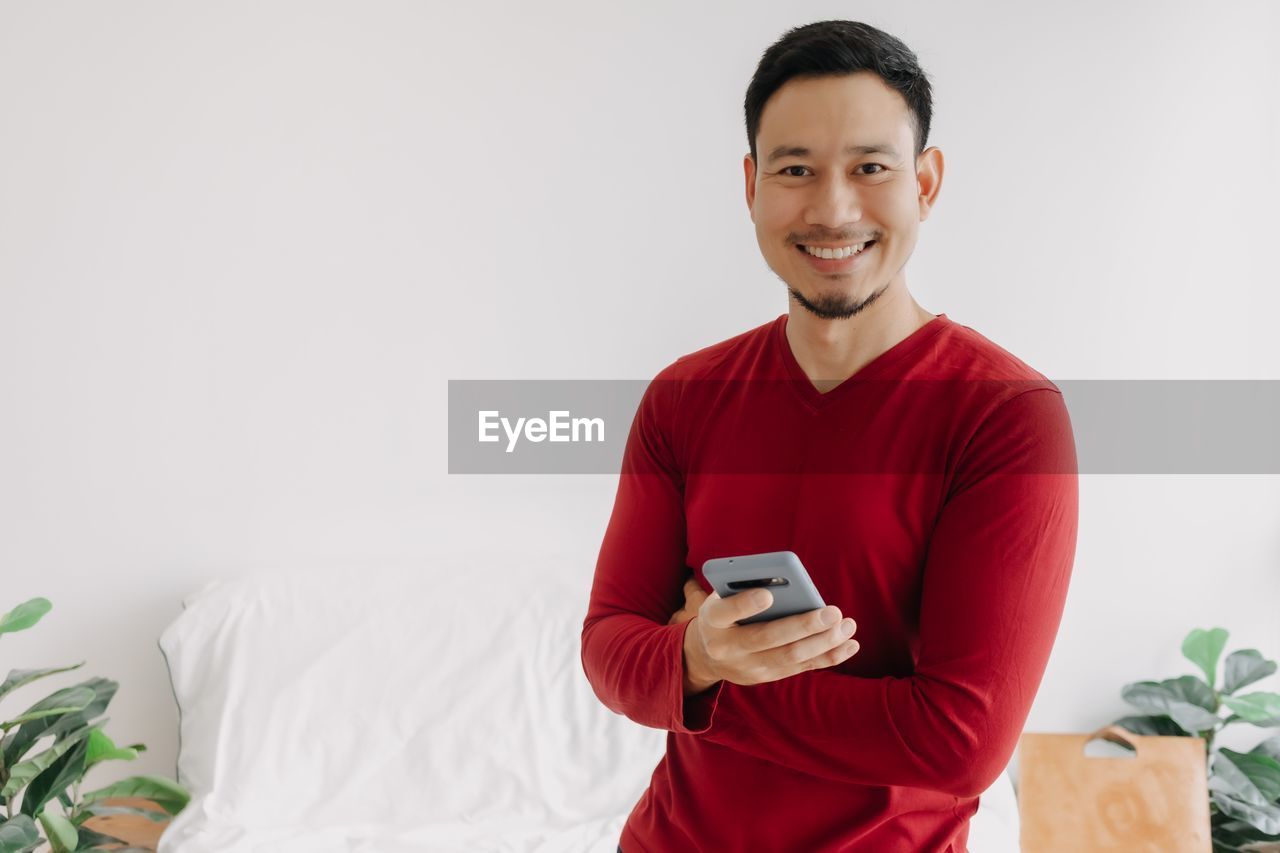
x=834, y=306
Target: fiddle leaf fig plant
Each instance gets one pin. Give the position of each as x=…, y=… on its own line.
x=1244, y=787
x=35, y=773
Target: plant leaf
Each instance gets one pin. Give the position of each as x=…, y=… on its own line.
x=1236, y=794
x=57, y=777
x=1186, y=699
x=24, y=615
x=1203, y=648
x=1237, y=835
x=17, y=834
x=102, y=748
x=1232, y=825
x=19, y=677
x=23, y=772
x=1243, y=668
x=1261, y=709
x=165, y=793
x=17, y=743
x=1262, y=770
x=97, y=809
x=1269, y=747
x=1156, y=724
x=1230, y=779
x=63, y=701
x=1234, y=835
x=1265, y=817
x=62, y=834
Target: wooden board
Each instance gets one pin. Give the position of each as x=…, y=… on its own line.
x=135, y=829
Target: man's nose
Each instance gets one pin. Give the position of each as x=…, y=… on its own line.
x=835, y=202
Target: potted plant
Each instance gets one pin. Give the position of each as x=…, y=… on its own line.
x=31, y=777
x=1244, y=787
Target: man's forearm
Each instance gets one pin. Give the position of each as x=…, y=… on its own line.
x=697, y=675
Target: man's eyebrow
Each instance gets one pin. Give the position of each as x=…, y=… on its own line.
x=800, y=151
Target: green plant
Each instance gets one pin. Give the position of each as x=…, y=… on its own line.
x=1244, y=787
x=56, y=772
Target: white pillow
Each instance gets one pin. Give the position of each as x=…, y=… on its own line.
x=442, y=707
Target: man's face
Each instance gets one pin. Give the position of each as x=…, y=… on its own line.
x=830, y=197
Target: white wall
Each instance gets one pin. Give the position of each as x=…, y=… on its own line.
x=244, y=245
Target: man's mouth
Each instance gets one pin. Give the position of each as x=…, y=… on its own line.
x=835, y=252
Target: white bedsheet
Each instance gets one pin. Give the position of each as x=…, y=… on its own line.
x=415, y=709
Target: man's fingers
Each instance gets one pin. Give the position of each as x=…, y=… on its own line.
x=798, y=626
x=725, y=612
x=761, y=636
x=831, y=647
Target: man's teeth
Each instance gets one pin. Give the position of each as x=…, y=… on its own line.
x=842, y=252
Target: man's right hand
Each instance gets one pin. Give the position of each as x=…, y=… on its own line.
x=718, y=649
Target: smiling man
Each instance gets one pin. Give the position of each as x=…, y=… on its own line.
x=925, y=477
x=837, y=216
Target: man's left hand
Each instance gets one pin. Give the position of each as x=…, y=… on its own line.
x=693, y=598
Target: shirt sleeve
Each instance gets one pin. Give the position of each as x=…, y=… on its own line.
x=633, y=659
x=995, y=584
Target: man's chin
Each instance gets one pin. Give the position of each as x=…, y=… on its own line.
x=833, y=306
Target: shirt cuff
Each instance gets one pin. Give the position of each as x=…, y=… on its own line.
x=696, y=711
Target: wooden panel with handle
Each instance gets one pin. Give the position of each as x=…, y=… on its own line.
x=1154, y=797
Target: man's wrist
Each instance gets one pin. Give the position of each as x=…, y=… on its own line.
x=697, y=677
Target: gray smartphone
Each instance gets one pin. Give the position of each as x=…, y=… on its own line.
x=780, y=572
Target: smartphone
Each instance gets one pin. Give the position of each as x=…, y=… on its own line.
x=780, y=572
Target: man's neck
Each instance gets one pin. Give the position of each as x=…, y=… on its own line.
x=830, y=351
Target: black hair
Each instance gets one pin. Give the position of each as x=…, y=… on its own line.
x=835, y=49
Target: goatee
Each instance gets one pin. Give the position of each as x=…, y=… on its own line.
x=834, y=306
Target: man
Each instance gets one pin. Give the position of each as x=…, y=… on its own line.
x=925, y=477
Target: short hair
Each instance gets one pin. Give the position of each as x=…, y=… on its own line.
x=836, y=49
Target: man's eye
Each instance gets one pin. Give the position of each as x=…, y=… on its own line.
x=786, y=170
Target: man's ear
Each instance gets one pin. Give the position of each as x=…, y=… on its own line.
x=749, y=172
x=929, y=166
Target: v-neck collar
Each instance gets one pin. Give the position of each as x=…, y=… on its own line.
x=876, y=367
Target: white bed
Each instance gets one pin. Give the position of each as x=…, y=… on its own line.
x=389, y=709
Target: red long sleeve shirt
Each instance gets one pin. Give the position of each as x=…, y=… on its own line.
x=932, y=497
